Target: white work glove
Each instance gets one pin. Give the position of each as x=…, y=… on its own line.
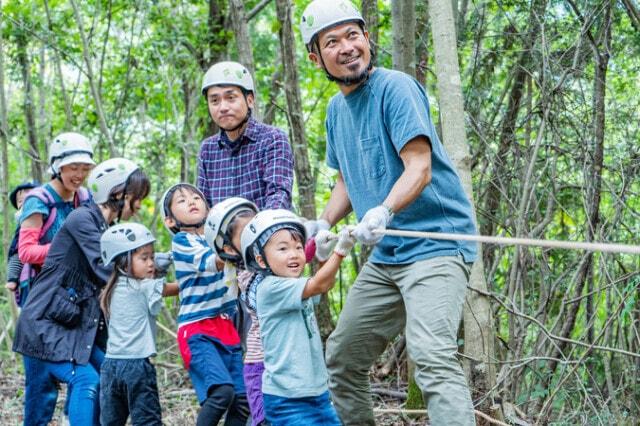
x=163, y=262
x=325, y=241
x=346, y=241
x=312, y=227
x=376, y=218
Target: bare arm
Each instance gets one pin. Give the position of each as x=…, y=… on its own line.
x=170, y=289
x=33, y=221
x=339, y=204
x=416, y=157
x=325, y=278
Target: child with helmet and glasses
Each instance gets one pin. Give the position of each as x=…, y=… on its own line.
x=131, y=301
x=223, y=228
x=295, y=378
x=207, y=338
x=61, y=331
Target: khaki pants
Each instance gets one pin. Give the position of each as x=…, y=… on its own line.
x=426, y=299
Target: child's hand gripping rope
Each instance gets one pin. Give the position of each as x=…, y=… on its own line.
x=163, y=262
x=327, y=242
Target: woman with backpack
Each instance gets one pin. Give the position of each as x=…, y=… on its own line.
x=46, y=207
x=44, y=210
x=61, y=331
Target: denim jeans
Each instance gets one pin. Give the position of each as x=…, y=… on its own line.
x=82, y=381
x=425, y=298
x=311, y=411
x=129, y=386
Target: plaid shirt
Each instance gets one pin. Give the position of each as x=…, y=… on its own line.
x=258, y=167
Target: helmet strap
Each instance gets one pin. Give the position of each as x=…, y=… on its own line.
x=267, y=269
x=243, y=122
x=234, y=258
x=349, y=81
x=121, y=201
x=181, y=225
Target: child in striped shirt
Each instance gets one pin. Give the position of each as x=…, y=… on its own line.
x=224, y=225
x=208, y=341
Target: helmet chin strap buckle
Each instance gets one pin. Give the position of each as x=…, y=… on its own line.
x=244, y=121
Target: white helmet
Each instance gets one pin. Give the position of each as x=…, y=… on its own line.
x=258, y=231
x=221, y=214
x=108, y=175
x=123, y=238
x=165, y=212
x=322, y=14
x=68, y=148
x=227, y=74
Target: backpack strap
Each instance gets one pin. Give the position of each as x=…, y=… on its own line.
x=45, y=196
x=81, y=197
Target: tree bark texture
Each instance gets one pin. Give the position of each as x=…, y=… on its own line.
x=478, y=330
x=403, y=14
x=29, y=104
x=304, y=176
x=370, y=14
x=243, y=42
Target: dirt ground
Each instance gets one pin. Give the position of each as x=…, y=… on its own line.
x=179, y=405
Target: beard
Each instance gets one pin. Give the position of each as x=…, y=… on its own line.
x=354, y=79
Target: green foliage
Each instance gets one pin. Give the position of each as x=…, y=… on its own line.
x=149, y=57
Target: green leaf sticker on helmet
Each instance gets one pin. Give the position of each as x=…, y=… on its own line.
x=239, y=74
x=121, y=166
x=226, y=72
x=94, y=187
x=309, y=20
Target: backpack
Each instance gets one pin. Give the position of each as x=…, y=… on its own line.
x=29, y=272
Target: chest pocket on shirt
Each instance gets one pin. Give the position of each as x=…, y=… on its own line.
x=373, y=157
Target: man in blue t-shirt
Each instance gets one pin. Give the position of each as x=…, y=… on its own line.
x=393, y=172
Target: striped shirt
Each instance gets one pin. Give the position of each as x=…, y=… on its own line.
x=258, y=166
x=254, y=352
x=203, y=291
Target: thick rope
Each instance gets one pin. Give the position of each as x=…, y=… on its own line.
x=571, y=245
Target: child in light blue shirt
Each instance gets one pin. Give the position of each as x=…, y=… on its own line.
x=295, y=378
x=131, y=301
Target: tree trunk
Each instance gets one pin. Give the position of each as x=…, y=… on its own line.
x=28, y=105
x=243, y=42
x=370, y=15
x=70, y=122
x=478, y=321
x=403, y=13
x=306, y=184
x=4, y=152
x=44, y=125
x=95, y=92
x=271, y=105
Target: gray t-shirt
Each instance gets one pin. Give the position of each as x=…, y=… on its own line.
x=293, y=357
x=132, y=324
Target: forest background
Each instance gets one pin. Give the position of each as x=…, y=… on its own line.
x=535, y=100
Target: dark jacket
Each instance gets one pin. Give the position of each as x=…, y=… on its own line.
x=61, y=319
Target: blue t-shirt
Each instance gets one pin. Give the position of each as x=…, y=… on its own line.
x=366, y=130
x=33, y=205
x=293, y=358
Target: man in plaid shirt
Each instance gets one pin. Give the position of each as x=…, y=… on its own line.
x=246, y=158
